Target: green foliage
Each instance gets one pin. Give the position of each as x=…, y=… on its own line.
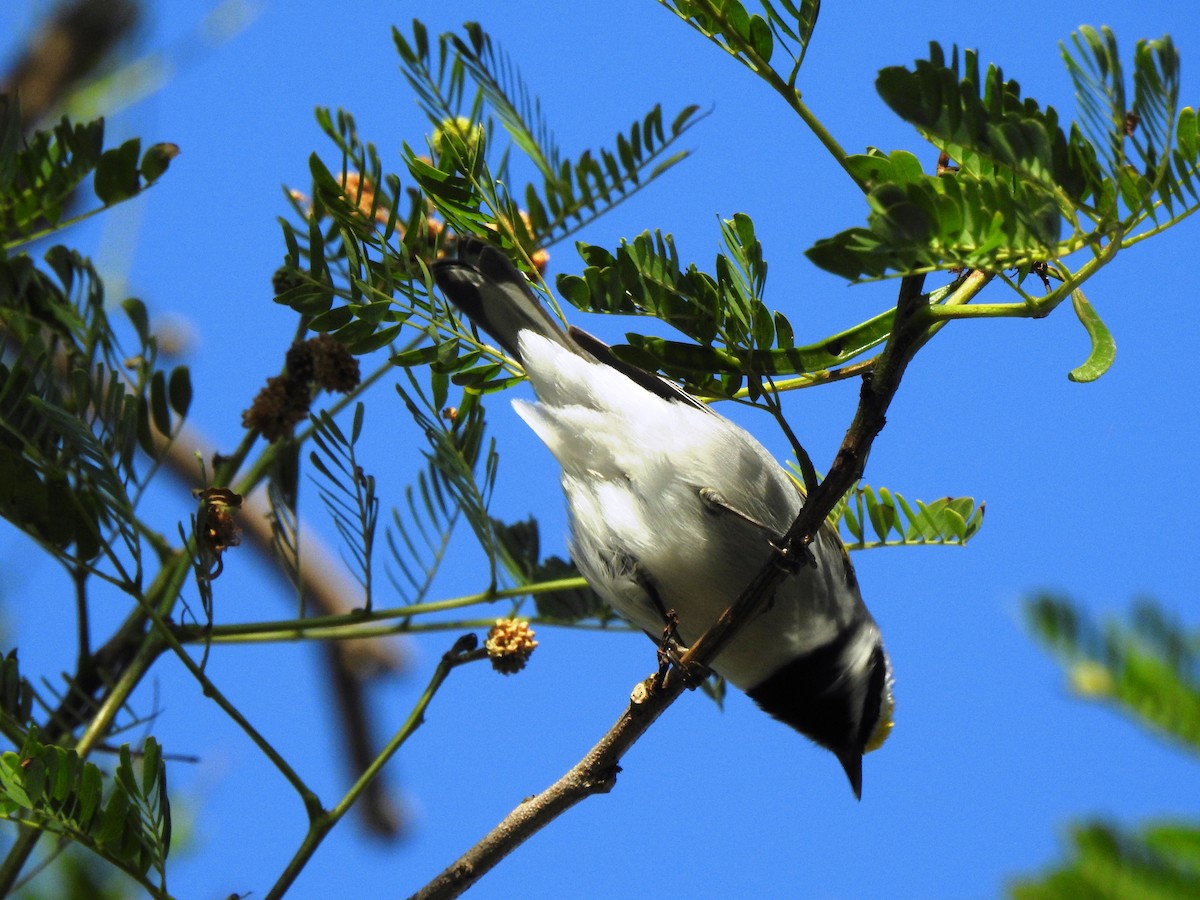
x=75, y=407
x=83, y=421
x=39, y=176
x=73, y=412
x=738, y=340
x=457, y=446
x=84, y=413
x=751, y=38
x=1126, y=171
x=920, y=222
x=897, y=522
x=737, y=336
x=569, y=604
x=1159, y=862
x=1104, y=348
x=125, y=818
x=352, y=251
x=1150, y=670
x=16, y=698
x=468, y=189
x=520, y=548
x=347, y=492
x=418, y=537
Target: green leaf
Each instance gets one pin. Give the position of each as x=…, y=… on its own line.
x=109, y=831
x=348, y=493
x=117, y=173
x=160, y=414
x=574, y=604
x=40, y=173
x=125, y=776
x=897, y=521
x=65, y=773
x=760, y=38
x=12, y=780
x=179, y=390
x=10, y=139
x=376, y=340
x=806, y=19
x=332, y=319
x=920, y=222
x=156, y=160
x=881, y=511
x=1186, y=133
x=1104, y=348
x=1106, y=861
x=138, y=317
x=91, y=792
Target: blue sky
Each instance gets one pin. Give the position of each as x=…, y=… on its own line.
x=990, y=759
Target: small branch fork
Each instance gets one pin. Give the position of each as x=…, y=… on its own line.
x=596, y=773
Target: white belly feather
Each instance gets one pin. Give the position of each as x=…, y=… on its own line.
x=633, y=467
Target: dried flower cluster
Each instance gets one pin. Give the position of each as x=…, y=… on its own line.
x=435, y=240
x=509, y=645
x=284, y=280
x=320, y=363
x=360, y=191
x=540, y=258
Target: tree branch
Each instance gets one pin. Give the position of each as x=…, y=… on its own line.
x=596, y=773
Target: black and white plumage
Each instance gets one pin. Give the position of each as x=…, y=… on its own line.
x=674, y=507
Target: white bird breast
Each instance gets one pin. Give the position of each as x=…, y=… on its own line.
x=633, y=466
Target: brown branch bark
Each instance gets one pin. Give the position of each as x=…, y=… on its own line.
x=69, y=47
x=596, y=773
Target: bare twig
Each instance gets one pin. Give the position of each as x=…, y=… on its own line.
x=596, y=773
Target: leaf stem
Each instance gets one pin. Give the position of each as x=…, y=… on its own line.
x=310, y=800
x=292, y=627
x=744, y=53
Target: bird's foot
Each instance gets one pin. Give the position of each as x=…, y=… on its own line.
x=792, y=560
x=672, y=653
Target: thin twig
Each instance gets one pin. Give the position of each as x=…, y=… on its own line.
x=596, y=773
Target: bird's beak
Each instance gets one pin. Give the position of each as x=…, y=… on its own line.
x=851, y=761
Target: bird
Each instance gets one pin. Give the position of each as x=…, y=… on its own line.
x=673, y=509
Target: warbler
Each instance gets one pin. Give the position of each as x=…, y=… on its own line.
x=673, y=511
